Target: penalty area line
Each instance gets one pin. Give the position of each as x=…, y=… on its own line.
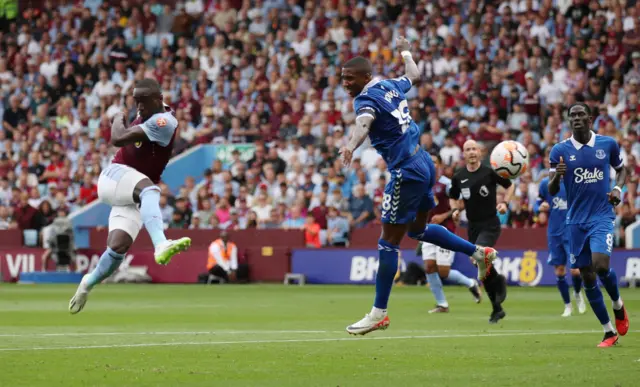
x=276, y=341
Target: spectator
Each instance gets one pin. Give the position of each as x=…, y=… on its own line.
x=337, y=228
x=5, y=219
x=360, y=208
x=294, y=220
x=312, y=232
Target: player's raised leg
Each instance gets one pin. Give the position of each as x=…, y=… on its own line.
x=148, y=195
x=440, y=236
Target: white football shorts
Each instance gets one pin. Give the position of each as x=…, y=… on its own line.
x=115, y=187
x=431, y=252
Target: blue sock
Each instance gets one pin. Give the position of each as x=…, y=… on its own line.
x=435, y=284
x=108, y=263
x=563, y=287
x=458, y=278
x=387, y=268
x=440, y=236
x=151, y=214
x=610, y=281
x=597, y=303
x=577, y=283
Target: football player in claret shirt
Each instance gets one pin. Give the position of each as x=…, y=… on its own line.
x=129, y=185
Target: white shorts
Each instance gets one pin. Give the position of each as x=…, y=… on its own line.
x=431, y=252
x=115, y=187
x=117, y=183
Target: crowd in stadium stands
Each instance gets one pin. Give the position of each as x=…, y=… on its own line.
x=268, y=72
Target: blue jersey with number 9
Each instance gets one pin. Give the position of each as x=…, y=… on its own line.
x=393, y=133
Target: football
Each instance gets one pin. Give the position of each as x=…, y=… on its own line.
x=510, y=159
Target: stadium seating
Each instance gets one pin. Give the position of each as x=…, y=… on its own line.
x=257, y=89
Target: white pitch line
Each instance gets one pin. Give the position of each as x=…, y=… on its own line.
x=187, y=343
x=222, y=332
x=236, y=332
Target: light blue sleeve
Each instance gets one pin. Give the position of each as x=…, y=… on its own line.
x=160, y=128
x=403, y=83
x=447, y=184
x=615, y=158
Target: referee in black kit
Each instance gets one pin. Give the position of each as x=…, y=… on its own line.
x=476, y=186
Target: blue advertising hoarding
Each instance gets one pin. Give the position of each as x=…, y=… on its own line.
x=520, y=267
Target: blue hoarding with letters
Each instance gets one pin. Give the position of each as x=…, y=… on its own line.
x=520, y=267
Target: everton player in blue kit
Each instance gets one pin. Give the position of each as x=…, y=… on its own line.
x=583, y=163
x=383, y=115
x=558, y=242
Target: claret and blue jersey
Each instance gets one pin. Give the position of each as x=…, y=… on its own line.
x=587, y=182
x=395, y=137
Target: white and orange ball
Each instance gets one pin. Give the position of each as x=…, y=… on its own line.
x=510, y=159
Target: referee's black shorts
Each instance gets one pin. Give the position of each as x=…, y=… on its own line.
x=485, y=233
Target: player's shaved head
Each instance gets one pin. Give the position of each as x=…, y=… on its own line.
x=148, y=96
x=359, y=64
x=356, y=73
x=148, y=86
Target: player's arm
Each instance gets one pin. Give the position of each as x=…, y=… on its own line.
x=556, y=171
x=411, y=68
x=121, y=135
x=359, y=133
x=158, y=129
x=621, y=174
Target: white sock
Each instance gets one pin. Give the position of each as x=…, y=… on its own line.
x=617, y=305
x=378, y=313
x=567, y=306
x=608, y=327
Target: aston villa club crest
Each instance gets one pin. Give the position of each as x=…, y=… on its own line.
x=600, y=154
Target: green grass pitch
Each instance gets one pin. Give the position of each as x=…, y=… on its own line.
x=275, y=335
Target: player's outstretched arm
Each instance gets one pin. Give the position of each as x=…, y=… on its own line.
x=358, y=134
x=121, y=135
x=411, y=68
